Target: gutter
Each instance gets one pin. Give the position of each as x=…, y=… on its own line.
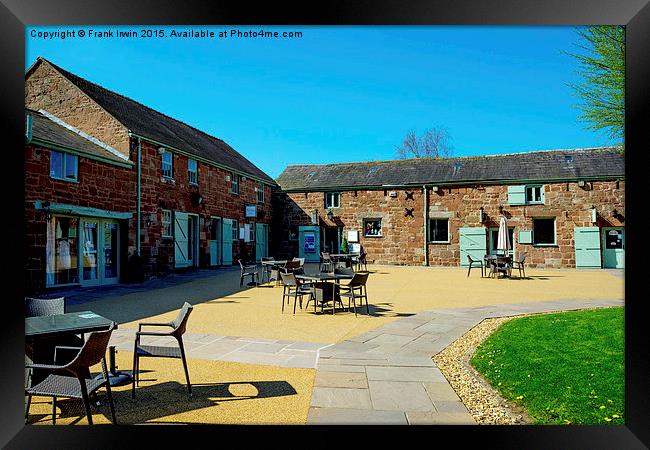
x=425, y=226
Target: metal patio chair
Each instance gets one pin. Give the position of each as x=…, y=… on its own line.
x=474, y=262
x=72, y=380
x=293, y=287
x=519, y=264
x=179, y=325
x=356, y=289
x=248, y=270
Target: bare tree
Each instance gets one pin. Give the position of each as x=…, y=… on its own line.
x=433, y=143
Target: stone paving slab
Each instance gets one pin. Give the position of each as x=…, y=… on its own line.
x=404, y=385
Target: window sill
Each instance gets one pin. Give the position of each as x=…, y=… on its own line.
x=379, y=236
x=192, y=184
x=167, y=180
x=439, y=242
x=69, y=180
x=545, y=245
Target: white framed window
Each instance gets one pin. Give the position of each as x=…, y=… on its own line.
x=332, y=200
x=544, y=231
x=372, y=227
x=64, y=166
x=534, y=194
x=234, y=183
x=167, y=164
x=166, y=223
x=260, y=193
x=192, y=171
x=439, y=230
x=235, y=230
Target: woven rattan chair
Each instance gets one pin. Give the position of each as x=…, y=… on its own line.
x=179, y=325
x=72, y=379
x=344, y=271
x=326, y=263
x=266, y=268
x=356, y=289
x=519, y=264
x=247, y=270
x=293, y=287
x=473, y=263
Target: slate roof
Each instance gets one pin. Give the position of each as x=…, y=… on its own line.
x=573, y=164
x=154, y=125
x=44, y=129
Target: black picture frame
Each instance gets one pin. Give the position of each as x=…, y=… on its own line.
x=635, y=14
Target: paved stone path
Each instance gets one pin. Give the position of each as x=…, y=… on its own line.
x=388, y=376
x=231, y=348
x=384, y=376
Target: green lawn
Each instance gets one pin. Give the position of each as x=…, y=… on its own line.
x=562, y=368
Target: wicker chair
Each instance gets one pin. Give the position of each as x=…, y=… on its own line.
x=72, y=379
x=344, y=271
x=179, y=325
x=292, y=287
x=474, y=262
x=266, y=269
x=356, y=289
x=520, y=265
x=326, y=263
x=248, y=270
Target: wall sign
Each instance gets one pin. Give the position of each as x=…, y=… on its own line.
x=353, y=236
x=251, y=211
x=309, y=242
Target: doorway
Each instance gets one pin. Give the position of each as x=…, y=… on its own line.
x=614, y=248
x=99, y=250
x=494, y=238
x=331, y=240
x=215, y=241
x=261, y=241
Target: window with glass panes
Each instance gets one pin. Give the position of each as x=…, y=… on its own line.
x=544, y=231
x=439, y=230
x=192, y=171
x=234, y=183
x=332, y=199
x=166, y=223
x=534, y=194
x=167, y=164
x=63, y=166
x=260, y=193
x=235, y=230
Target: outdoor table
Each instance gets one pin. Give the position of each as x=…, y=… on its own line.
x=346, y=257
x=503, y=263
x=275, y=265
x=325, y=277
x=73, y=323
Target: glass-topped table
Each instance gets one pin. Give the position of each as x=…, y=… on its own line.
x=76, y=323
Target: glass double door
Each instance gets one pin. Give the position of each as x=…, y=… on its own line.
x=99, y=242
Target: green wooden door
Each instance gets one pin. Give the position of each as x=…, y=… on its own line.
x=261, y=244
x=587, y=247
x=473, y=242
x=614, y=248
x=181, y=240
x=226, y=240
x=309, y=243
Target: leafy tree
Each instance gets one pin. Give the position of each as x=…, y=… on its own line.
x=433, y=143
x=601, y=89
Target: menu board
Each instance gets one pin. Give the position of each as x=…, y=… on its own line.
x=309, y=242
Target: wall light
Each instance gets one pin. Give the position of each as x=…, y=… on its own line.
x=480, y=214
x=593, y=214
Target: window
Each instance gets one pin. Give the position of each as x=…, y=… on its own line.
x=235, y=230
x=260, y=193
x=62, y=251
x=166, y=223
x=192, y=171
x=439, y=230
x=167, y=164
x=63, y=166
x=234, y=183
x=372, y=227
x=332, y=199
x=544, y=231
x=534, y=194
x=251, y=232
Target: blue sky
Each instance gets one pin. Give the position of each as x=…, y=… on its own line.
x=341, y=94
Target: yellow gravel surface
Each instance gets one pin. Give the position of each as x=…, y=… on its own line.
x=394, y=292
x=223, y=393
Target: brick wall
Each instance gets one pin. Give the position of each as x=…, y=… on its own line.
x=47, y=89
x=100, y=185
x=402, y=240
x=158, y=194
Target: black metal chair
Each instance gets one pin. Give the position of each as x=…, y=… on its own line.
x=474, y=262
x=247, y=270
x=519, y=264
x=293, y=287
x=356, y=289
x=179, y=325
x=72, y=380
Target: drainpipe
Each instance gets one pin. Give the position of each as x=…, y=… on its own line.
x=138, y=203
x=28, y=132
x=425, y=208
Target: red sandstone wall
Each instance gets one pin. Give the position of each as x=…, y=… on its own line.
x=402, y=240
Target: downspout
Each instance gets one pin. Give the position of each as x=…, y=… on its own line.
x=28, y=131
x=138, y=202
x=426, y=213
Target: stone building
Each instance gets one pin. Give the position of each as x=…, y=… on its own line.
x=124, y=179
x=564, y=208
